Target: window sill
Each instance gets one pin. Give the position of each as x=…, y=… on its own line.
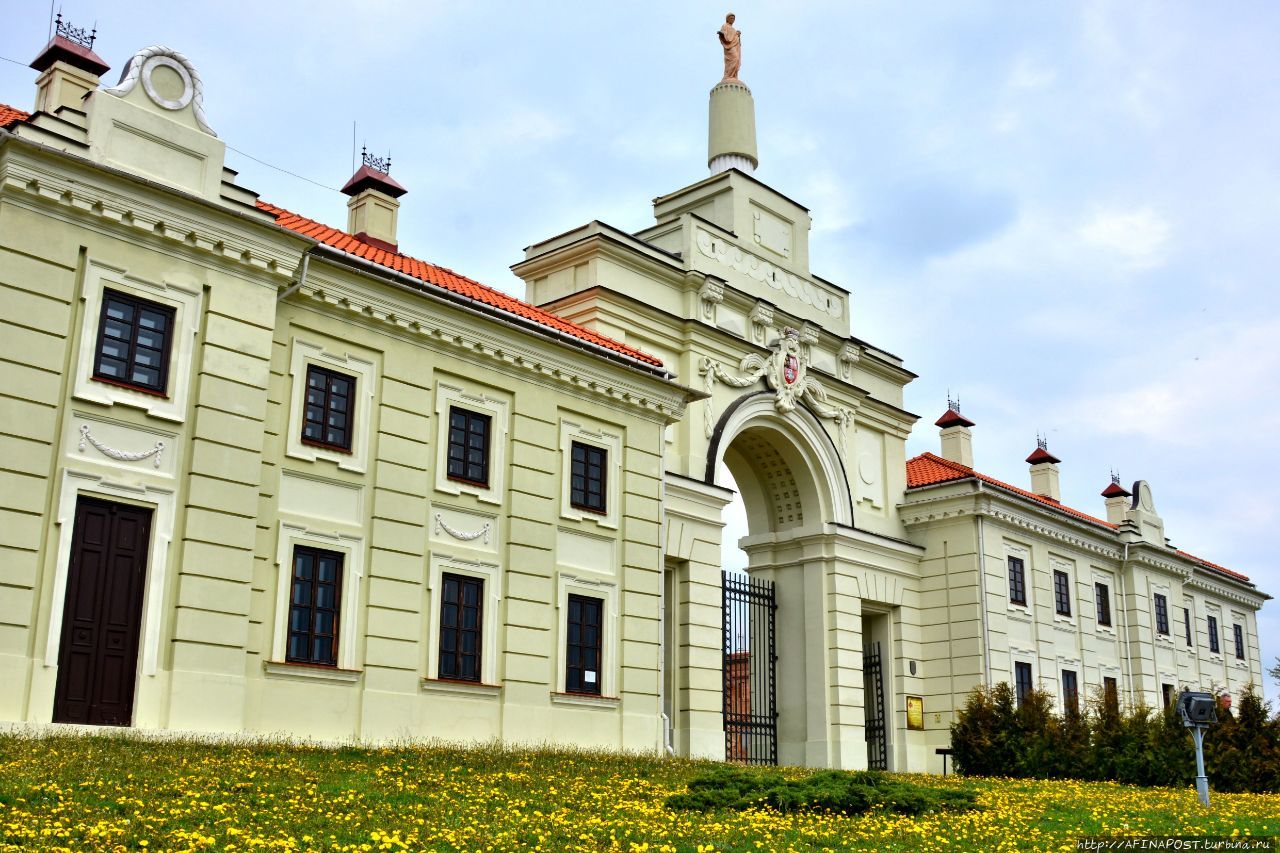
x=585, y=700
x=310, y=672
x=320, y=445
x=462, y=688
x=129, y=386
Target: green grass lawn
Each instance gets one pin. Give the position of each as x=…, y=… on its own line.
x=105, y=793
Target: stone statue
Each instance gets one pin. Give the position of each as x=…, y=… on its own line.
x=731, y=41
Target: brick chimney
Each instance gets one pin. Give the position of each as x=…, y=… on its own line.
x=1044, y=471
x=371, y=212
x=957, y=441
x=69, y=68
x=1117, y=499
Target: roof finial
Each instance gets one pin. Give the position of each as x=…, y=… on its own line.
x=1115, y=477
x=381, y=164
x=76, y=35
x=953, y=404
x=1041, y=441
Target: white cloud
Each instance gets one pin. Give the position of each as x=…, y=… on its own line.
x=1191, y=390
x=1139, y=238
x=1028, y=74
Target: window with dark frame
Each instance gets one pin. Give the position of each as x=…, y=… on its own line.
x=587, y=477
x=1070, y=693
x=1110, y=693
x=1162, y=614
x=1017, y=581
x=1022, y=680
x=1186, y=623
x=1166, y=694
x=461, y=627
x=134, y=338
x=1212, y=627
x=469, y=446
x=315, y=602
x=1239, y=638
x=1102, y=596
x=584, y=625
x=1061, y=593
x=327, y=415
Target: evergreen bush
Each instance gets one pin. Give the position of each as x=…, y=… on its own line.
x=837, y=791
x=995, y=736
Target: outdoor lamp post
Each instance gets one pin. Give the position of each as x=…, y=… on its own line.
x=1199, y=711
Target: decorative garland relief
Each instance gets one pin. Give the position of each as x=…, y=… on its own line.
x=119, y=455
x=463, y=535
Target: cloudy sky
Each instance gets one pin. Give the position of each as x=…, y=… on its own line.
x=1067, y=213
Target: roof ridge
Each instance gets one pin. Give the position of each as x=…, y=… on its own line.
x=448, y=279
x=923, y=478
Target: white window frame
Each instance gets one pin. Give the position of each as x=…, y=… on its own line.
x=584, y=431
x=1189, y=603
x=351, y=547
x=365, y=372
x=1238, y=618
x=610, y=663
x=1017, y=656
x=1057, y=564
x=491, y=574
x=1076, y=665
x=1153, y=589
x=1215, y=611
x=185, y=300
x=1021, y=552
x=453, y=391
x=1109, y=581
x=163, y=503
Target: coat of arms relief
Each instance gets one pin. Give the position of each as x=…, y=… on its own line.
x=786, y=372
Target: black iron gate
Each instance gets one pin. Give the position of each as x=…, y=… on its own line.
x=873, y=693
x=750, y=657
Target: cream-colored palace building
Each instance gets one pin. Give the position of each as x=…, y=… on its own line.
x=261, y=475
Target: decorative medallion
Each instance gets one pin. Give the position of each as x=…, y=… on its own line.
x=786, y=372
x=791, y=370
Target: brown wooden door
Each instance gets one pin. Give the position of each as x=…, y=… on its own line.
x=98, y=657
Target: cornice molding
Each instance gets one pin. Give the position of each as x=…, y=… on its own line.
x=133, y=218
x=924, y=508
x=582, y=376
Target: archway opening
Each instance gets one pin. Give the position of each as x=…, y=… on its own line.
x=785, y=493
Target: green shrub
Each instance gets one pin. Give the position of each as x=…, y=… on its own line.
x=1134, y=746
x=838, y=791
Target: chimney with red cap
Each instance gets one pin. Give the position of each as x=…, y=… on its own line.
x=372, y=210
x=957, y=441
x=1044, y=471
x=69, y=68
x=1117, y=499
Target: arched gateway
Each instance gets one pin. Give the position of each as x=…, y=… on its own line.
x=808, y=421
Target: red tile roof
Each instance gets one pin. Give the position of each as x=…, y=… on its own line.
x=1041, y=455
x=1115, y=490
x=930, y=470
x=447, y=279
x=952, y=418
x=1214, y=566
x=11, y=115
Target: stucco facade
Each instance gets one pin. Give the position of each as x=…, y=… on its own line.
x=700, y=345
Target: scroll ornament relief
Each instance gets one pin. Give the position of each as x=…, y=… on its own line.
x=761, y=270
x=86, y=437
x=463, y=535
x=786, y=371
x=711, y=294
